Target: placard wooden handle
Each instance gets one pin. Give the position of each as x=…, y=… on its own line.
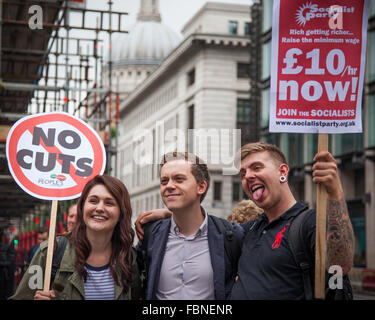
x=51, y=242
x=321, y=231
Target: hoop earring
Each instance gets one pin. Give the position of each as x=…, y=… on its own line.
x=282, y=179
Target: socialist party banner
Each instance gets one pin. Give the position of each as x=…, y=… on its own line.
x=318, y=65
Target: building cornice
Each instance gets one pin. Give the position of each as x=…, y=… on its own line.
x=216, y=6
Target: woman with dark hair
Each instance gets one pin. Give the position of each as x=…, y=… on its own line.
x=99, y=262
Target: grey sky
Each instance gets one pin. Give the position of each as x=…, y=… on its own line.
x=174, y=13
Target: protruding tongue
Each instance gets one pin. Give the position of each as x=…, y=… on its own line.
x=258, y=193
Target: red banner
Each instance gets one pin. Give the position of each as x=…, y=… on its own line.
x=319, y=50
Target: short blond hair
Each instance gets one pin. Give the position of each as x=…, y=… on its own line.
x=245, y=211
x=254, y=147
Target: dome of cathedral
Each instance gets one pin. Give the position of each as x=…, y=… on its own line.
x=149, y=41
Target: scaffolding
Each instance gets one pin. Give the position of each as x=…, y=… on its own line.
x=56, y=67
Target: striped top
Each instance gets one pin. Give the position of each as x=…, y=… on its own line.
x=99, y=284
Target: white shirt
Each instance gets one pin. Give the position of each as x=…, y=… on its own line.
x=186, y=271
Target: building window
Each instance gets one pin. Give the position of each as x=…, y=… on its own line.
x=266, y=60
x=244, y=195
x=243, y=119
x=267, y=15
x=371, y=120
x=372, y=9
x=348, y=143
x=371, y=56
x=190, y=125
x=236, y=189
x=243, y=110
x=191, y=77
x=247, y=29
x=272, y=138
x=233, y=26
x=147, y=204
x=243, y=70
x=265, y=107
x=191, y=117
x=312, y=146
x=356, y=210
x=154, y=168
x=292, y=145
x=217, y=190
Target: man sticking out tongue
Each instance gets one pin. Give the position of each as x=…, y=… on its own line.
x=267, y=269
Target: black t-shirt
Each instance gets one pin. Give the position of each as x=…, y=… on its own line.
x=267, y=269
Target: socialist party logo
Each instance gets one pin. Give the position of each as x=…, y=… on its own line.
x=309, y=11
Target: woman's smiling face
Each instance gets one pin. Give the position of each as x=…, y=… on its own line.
x=100, y=211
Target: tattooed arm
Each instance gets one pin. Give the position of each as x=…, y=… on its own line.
x=340, y=236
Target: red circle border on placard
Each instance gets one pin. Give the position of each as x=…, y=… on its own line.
x=46, y=193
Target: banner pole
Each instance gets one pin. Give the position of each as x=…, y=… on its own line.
x=51, y=242
x=321, y=231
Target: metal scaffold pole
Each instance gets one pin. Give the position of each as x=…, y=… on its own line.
x=1, y=31
x=58, y=65
x=66, y=98
x=109, y=150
